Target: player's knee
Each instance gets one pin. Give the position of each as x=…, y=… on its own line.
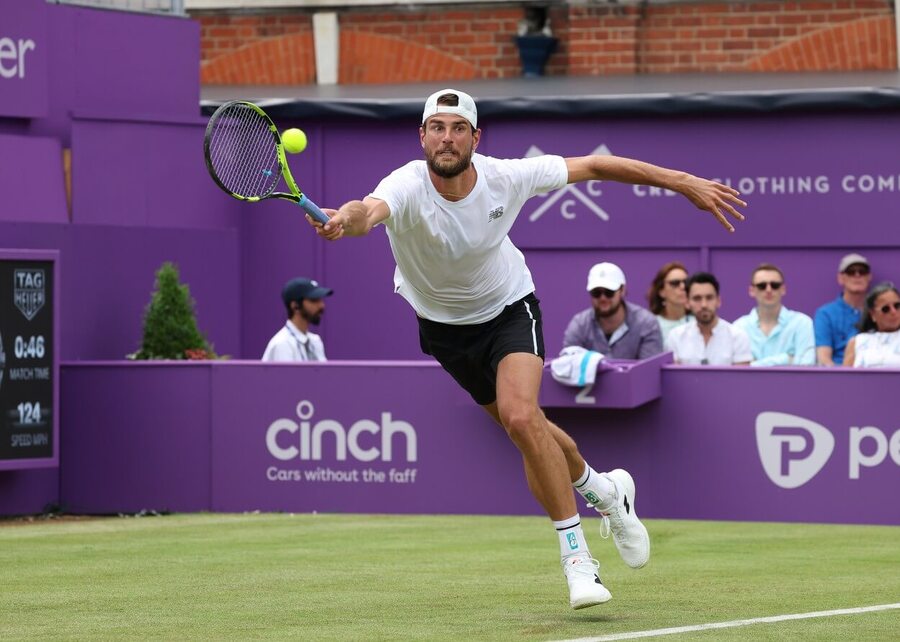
x=521, y=422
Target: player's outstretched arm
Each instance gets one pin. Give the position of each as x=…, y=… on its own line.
x=710, y=196
x=355, y=218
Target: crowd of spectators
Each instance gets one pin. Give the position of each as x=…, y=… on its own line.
x=860, y=328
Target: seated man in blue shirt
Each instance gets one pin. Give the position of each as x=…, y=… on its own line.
x=778, y=336
x=836, y=322
x=612, y=326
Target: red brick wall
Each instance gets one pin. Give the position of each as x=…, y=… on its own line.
x=477, y=41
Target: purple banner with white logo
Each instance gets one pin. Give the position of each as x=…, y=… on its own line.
x=735, y=444
x=23, y=58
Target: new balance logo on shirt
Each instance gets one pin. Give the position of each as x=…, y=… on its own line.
x=495, y=213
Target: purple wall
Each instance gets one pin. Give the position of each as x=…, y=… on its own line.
x=247, y=436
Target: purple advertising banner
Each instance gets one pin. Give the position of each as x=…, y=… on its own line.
x=803, y=175
x=24, y=52
x=381, y=437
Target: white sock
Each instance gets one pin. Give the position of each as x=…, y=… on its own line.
x=598, y=490
x=571, y=538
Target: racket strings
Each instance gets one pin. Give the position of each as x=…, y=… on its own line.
x=243, y=153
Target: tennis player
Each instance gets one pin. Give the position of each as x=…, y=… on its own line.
x=447, y=219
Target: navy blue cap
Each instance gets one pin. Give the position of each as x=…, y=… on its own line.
x=301, y=288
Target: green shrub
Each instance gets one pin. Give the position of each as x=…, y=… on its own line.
x=170, y=327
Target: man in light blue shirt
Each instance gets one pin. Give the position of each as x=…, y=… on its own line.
x=778, y=336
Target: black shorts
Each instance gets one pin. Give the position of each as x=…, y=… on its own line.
x=470, y=353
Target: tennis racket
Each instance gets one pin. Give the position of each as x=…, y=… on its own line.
x=245, y=157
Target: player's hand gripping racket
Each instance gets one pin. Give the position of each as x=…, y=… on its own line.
x=245, y=157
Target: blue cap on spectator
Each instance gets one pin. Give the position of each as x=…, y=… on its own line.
x=301, y=288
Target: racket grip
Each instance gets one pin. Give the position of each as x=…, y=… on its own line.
x=313, y=210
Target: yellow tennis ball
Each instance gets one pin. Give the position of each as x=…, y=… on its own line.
x=294, y=140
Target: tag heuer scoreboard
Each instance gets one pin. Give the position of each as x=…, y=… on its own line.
x=29, y=431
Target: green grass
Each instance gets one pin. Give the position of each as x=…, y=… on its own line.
x=361, y=577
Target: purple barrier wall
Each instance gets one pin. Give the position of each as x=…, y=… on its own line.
x=339, y=437
x=29, y=195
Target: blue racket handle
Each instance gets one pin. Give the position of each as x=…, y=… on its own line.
x=313, y=210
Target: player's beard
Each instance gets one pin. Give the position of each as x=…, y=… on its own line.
x=448, y=168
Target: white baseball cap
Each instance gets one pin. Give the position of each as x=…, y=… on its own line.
x=465, y=108
x=605, y=275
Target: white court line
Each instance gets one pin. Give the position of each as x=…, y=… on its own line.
x=728, y=625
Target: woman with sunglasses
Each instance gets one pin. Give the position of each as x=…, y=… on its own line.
x=668, y=297
x=878, y=343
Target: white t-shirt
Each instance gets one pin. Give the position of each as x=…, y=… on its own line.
x=877, y=350
x=455, y=262
x=290, y=344
x=727, y=345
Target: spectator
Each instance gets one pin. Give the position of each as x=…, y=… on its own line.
x=668, y=297
x=612, y=326
x=837, y=322
x=708, y=339
x=304, y=302
x=878, y=343
x=778, y=336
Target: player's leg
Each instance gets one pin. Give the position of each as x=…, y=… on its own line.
x=610, y=494
x=517, y=410
x=518, y=381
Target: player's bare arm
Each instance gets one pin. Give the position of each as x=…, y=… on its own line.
x=354, y=218
x=710, y=196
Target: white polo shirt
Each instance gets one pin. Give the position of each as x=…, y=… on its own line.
x=455, y=262
x=290, y=344
x=727, y=345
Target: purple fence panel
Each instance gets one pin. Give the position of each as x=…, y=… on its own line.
x=134, y=66
x=158, y=179
x=32, y=186
x=400, y=437
x=136, y=437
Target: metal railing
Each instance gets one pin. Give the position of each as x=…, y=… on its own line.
x=173, y=7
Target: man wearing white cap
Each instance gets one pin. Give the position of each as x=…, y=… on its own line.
x=836, y=322
x=448, y=218
x=612, y=326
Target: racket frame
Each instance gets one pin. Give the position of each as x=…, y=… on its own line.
x=295, y=195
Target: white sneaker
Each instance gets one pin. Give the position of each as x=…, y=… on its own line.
x=585, y=587
x=628, y=532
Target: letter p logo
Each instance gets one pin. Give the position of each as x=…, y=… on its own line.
x=792, y=449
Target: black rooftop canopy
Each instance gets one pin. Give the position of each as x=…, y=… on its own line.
x=582, y=95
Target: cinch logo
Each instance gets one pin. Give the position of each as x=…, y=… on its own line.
x=573, y=191
x=360, y=440
x=792, y=449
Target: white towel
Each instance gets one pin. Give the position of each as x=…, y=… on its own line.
x=576, y=366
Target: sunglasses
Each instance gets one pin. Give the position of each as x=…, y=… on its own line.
x=762, y=285
x=603, y=292
x=859, y=270
x=676, y=283
x=887, y=307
